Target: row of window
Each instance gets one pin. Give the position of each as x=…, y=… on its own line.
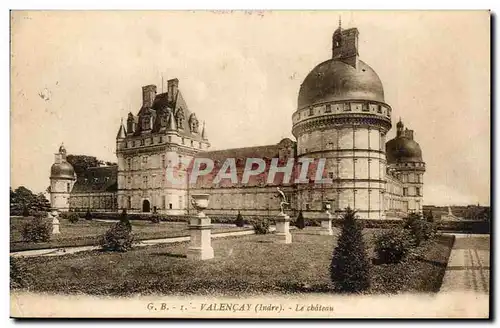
x=345, y=107
x=150, y=141
x=145, y=159
x=164, y=205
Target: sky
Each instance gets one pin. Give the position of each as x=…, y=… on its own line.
x=241, y=72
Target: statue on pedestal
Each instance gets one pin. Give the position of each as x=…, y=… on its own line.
x=284, y=202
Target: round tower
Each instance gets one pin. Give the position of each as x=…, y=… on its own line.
x=404, y=158
x=62, y=179
x=342, y=117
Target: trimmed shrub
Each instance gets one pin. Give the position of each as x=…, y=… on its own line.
x=239, y=220
x=415, y=225
x=36, y=230
x=392, y=245
x=20, y=277
x=155, y=218
x=300, y=222
x=119, y=237
x=261, y=227
x=71, y=217
x=26, y=211
x=430, y=216
x=88, y=215
x=350, y=267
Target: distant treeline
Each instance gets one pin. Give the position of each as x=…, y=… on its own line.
x=469, y=212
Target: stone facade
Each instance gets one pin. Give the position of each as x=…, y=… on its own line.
x=341, y=117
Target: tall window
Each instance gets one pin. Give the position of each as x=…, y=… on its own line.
x=68, y=187
x=311, y=111
x=129, y=181
x=405, y=191
x=162, y=160
x=328, y=108
x=129, y=163
x=418, y=191
x=145, y=181
x=129, y=202
x=180, y=202
x=142, y=142
x=164, y=202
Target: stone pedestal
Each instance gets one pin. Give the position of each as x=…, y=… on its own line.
x=55, y=226
x=200, y=247
x=326, y=225
x=283, y=235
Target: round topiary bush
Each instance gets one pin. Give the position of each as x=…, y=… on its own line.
x=71, y=217
x=36, y=230
x=261, y=226
x=393, y=245
x=118, y=238
x=155, y=218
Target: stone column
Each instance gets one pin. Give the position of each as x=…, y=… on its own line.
x=326, y=222
x=283, y=235
x=200, y=247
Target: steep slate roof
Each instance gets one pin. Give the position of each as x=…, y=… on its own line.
x=97, y=179
x=267, y=153
x=160, y=105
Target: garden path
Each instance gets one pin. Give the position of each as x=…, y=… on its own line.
x=468, y=267
x=142, y=243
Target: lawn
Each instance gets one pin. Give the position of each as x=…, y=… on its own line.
x=242, y=266
x=84, y=233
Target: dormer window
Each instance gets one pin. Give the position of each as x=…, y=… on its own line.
x=142, y=142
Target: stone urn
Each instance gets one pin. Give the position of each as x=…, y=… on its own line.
x=200, y=203
x=200, y=246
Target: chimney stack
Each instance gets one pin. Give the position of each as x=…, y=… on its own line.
x=172, y=86
x=148, y=95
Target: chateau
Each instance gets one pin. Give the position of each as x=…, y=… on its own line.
x=341, y=117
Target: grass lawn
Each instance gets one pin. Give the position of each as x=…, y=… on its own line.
x=84, y=233
x=242, y=265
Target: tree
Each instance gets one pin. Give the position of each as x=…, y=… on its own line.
x=81, y=163
x=23, y=201
x=350, y=267
x=300, y=223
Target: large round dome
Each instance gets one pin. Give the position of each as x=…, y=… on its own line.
x=63, y=170
x=403, y=149
x=334, y=80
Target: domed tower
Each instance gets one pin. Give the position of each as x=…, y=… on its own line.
x=62, y=179
x=404, y=159
x=342, y=117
